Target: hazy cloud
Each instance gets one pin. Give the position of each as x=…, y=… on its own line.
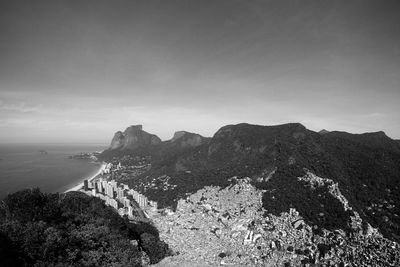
x=78, y=71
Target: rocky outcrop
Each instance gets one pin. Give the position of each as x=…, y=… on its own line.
x=185, y=139
x=117, y=141
x=178, y=135
x=133, y=137
x=323, y=131
x=333, y=188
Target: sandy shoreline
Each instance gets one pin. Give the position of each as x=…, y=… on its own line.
x=80, y=185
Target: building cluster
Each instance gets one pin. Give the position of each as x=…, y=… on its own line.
x=119, y=196
x=105, y=169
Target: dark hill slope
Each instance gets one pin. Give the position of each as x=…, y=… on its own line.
x=170, y=156
x=371, y=176
x=378, y=140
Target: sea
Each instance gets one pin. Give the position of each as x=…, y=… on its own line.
x=46, y=166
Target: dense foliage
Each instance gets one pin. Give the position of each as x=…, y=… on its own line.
x=371, y=179
x=38, y=229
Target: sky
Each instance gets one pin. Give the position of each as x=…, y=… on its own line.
x=78, y=71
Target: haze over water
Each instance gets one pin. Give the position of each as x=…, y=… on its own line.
x=23, y=166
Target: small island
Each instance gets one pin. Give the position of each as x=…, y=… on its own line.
x=86, y=155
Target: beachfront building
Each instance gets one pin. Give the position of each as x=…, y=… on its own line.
x=119, y=196
x=104, y=185
x=90, y=184
x=106, y=169
x=109, y=190
x=130, y=211
x=126, y=202
x=113, y=203
x=100, y=185
x=120, y=193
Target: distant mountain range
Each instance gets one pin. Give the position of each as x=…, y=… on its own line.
x=366, y=168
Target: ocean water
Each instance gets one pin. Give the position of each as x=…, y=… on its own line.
x=24, y=166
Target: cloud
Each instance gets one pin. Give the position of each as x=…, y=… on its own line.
x=376, y=115
x=19, y=107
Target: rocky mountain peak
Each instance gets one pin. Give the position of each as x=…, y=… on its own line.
x=117, y=140
x=178, y=135
x=134, y=128
x=133, y=137
x=323, y=131
x=187, y=139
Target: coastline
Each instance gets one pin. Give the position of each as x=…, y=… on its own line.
x=80, y=185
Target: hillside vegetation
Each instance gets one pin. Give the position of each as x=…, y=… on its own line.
x=38, y=229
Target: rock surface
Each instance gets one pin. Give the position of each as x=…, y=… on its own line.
x=185, y=139
x=132, y=138
x=228, y=226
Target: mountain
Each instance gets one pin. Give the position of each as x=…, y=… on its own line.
x=373, y=140
x=323, y=131
x=133, y=138
x=185, y=139
x=168, y=153
x=329, y=178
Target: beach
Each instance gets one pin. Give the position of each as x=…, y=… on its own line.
x=80, y=185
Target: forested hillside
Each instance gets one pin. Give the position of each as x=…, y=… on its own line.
x=72, y=230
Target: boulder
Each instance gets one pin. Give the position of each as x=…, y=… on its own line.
x=249, y=238
x=256, y=237
x=239, y=227
x=298, y=224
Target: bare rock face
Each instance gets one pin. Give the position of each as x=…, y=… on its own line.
x=133, y=137
x=323, y=131
x=178, y=135
x=186, y=139
x=117, y=141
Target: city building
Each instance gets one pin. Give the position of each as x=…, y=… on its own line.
x=118, y=195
